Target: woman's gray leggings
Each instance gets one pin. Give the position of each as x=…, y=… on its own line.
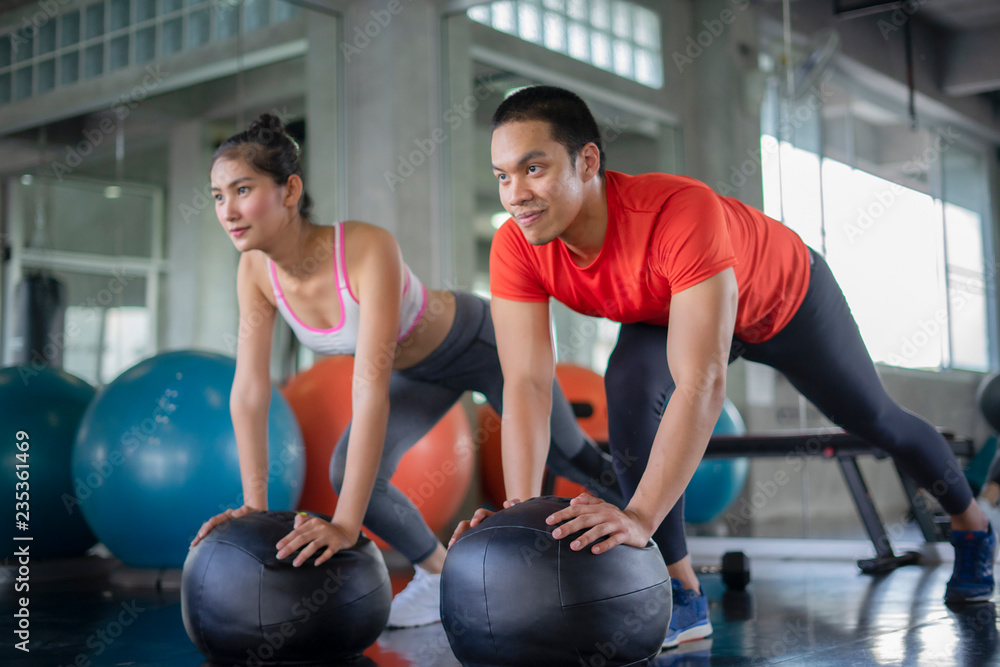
x=420, y=396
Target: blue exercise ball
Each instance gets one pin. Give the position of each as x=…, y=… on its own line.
x=156, y=455
x=717, y=482
x=40, y=409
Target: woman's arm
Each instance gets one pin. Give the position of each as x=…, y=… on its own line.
x=250, y=397
x=376, y=270
x=379, y=271
x=251, y=394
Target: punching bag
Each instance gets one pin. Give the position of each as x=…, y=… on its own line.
x=38, y=321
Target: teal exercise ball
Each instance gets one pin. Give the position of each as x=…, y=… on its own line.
x=40, y=409
x=988, y=399
x=156, y=456
x=717, y=482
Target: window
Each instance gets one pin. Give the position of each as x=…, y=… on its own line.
x=899, y=214
x=103, y=244
x=614, y=35
x=109, y=35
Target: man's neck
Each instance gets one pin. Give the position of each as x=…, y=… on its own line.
x=584, y=238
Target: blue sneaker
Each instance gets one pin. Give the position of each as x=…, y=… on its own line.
x=689, y=619
x=975, y=554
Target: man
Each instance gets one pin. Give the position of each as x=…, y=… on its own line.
x=696, y=280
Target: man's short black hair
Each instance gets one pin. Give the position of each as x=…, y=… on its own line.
x=572, y=124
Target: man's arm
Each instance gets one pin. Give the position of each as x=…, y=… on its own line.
x=525, y=348
x=702, y=320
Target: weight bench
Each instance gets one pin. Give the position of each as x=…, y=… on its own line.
x=845, y=448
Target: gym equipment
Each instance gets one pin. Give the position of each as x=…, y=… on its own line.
x=241, y=604
x=734, y=567
x=717, y=482
x=511, y=595
x=41, y=310
x=435, y=473
x=978, y=468
x=584, y=389
x=988, y=400
x=834, y=444
x=735, y=570
x=40, y=409
x=157, y=455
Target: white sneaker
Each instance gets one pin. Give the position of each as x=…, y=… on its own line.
x=417, y=604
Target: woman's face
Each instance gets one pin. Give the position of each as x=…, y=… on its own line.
x=251, y=207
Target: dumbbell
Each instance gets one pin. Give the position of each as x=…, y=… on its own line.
x=735, y=570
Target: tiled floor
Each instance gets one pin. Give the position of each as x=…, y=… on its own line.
x=798, y=612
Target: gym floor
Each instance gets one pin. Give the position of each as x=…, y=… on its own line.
x=793, y=612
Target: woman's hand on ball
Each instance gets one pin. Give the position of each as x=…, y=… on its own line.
x=312, y=534
x=463, y=526
x=480, y=514
x=219, y=519
x=603, y=520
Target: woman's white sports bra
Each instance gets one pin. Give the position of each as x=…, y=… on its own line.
x=343, y=338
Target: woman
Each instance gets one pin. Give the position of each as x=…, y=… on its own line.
x=344, y=289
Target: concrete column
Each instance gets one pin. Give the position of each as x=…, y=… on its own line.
x=391, y=56
x=725, y=131
x=325, y=164
x=201, y=284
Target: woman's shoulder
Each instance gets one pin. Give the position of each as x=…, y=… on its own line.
x=362, y=237
x=252, y=263
x=363, y=229
x=252, y=272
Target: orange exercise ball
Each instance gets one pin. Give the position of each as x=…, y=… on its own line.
x=490, y=463
x=585, y=390
x=435, y=473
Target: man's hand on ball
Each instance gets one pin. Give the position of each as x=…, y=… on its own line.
x=603, y=520
x=312, y=534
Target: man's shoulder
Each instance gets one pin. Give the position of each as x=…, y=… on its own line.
x=647, y=193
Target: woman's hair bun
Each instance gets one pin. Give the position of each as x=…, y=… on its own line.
x=266, y=128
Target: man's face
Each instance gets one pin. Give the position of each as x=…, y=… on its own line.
x=540, y=186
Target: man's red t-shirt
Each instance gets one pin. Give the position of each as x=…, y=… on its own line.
x=665, y=233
